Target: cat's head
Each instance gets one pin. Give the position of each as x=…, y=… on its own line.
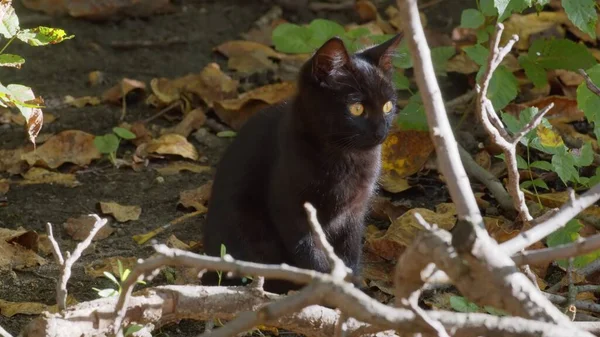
x=351, y=98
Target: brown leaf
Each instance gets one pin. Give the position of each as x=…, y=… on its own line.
x=192, y=120
x=173, y=144
x=9, y=309
x=463, y=64
x=405, y=152
x=34, y=124
x=235, y=112
x=197, y=198
x=72, y=146
x=80, y=102
x=175, y=167
x=97, y=268
x=248, y=57
x=79, y=228
x=174, y=242
x=99, y=10
x=534, y=25
x=39, y=175
x=11, y=162
x=121, y=89
x=120, y=212
x=365, y=10
x=565, y=109
x=4, y=186
x=13, y=254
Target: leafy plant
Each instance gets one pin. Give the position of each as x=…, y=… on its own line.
x=123, y=274
x=109, y=143
x=17, y=95
x=568, y=234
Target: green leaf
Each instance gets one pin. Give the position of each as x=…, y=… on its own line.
x=20, y=95
x=588, y=101
x=9, y=26
x=596, y=178
x=561, y=54
x=401, y=82
x=223, y=250
x=358, y=32
x=535, y=72
x=124, y=133
x=502, y=7
x=120, y=266
x=494, y=311
x=471, y=18
x=482, y=36
x=107, y=144
x=11, y=60
x=42, y=36
x=488, y=8
x=111, y=277
x=107, y=292
x=293, y=39
x=226, y=134
x=322, y=30
x=583, y=156
x=582, y=13
x=413, y=117
x=133, y=329
x=521, y=162
x=542, y=165
x=461, y=304
x=511, y=6
x=565, y=235
x=564, y=165
x=477, y=53
x=525, y=116
x=440, y=57
x=402, y=57
x=536, y=182
x=503, y=88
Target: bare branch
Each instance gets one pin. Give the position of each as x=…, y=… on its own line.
x=441, y=131
x=338, y=268
x=589, y=83
x=582, y=305
x=584, y=246
x=4, y=333
x=66, y=265
x=533, y=123
x=567, y=212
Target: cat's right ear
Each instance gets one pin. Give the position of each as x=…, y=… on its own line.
x=330, y=58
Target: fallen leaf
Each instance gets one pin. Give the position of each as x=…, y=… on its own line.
x=248, y=57
x=120, y=212
x=79, y=228
x=565, y=109
x=366, y=10
x=235, y=112
x=175, y=167
x=103, y=10
x=80, y=102
x=71, y=146
x=197, y=198
x=96, y=77
x=462, y=63
x=173, y=144
x=97, y=268
x=405, y=228
x=500, y=229
x=192, y=120
x=9, y=309
x=39, y=175
x=174, y=242
x=122, y=89
x=44, y=245
x=20, y=120
x=391, y=182
x=11, y=162
x=483, y=159
x=526, y=26
x=405, y=152
x=13, y=254
x=4, y=186
x=569, y=78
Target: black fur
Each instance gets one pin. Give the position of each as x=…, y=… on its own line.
x=310, y=149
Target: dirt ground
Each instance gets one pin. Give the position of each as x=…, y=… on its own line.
x=56, y=71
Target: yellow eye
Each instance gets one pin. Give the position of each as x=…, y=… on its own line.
x=356, y=109
x=387, y=107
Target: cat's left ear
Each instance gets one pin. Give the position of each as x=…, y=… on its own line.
x=381, y=55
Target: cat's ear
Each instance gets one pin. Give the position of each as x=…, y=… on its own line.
x=381, y=55
x=331, y=57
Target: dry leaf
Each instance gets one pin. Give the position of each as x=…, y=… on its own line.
x=365, y=10
x=71, y=146
x=235, y=112
x=4, y=186
x=13, y=253
x=405, y=228
x=565, y=109
x=173, y=144
x=80, y=102
x=248, y=57
x=11, y=162
x=534, y=24
x=391, y=182
x=405, y=152
x=9, y=309
x=120, y=212
x=174, y=242
x=97, y=268
x=38, y=175
x=44, y=245
x=79, y=228
x=95, y=77
x=178, y=166
x=192, y=120
x=463, y=64
x=197, y=198
x=123, y=88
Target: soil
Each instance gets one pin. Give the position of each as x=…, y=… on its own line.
x=59, y=70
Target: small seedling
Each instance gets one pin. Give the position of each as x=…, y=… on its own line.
x=109, y=143
x=123, y=274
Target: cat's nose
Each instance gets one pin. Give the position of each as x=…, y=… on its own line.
x=380, y=132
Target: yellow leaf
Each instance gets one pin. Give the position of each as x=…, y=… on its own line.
x=120, y=212
x=548, y=137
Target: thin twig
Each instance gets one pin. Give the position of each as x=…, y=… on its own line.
x=567, y=212
x=538, y=256
x=67, y=264
x=4, y=333
x=589, y=83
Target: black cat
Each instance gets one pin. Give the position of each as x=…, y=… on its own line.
x=321, y=147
